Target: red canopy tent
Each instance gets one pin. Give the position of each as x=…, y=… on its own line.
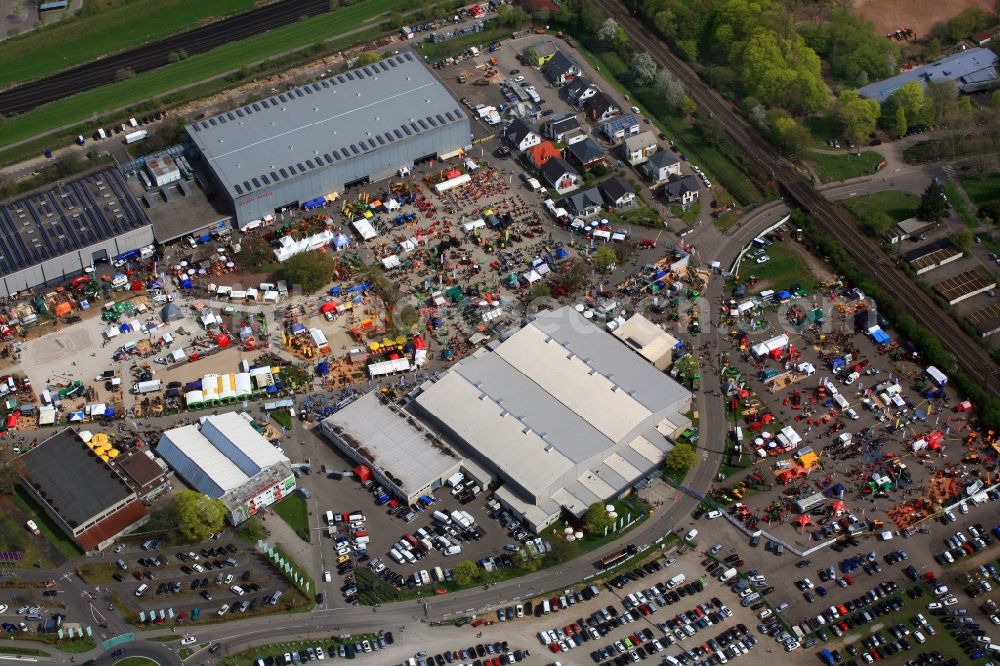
x=838, y=507
x=362, y=473
x=802, y=521
x=328, y=307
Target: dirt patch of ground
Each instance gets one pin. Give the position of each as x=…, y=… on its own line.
x=816, y=267
x=918, y=15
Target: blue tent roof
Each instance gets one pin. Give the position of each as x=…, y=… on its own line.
x=784, y=295
x=109, y=412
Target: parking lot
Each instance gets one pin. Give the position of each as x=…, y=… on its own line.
x=199, y=580
x=384, y=526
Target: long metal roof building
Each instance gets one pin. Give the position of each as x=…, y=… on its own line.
x=302, y=144
x=562, y=411
x=222, y=455
x=53, y=234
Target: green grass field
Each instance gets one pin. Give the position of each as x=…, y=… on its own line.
x=784, y=269
x=79, y=40
x=148, y=86
x=982, y=190
x=880, y=211
x=831, y=168
x=452, y=46
x=294, y=511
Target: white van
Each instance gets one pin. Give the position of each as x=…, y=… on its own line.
x=409, y=557
x=546, y=607
x=396, y=555
x=141, y=589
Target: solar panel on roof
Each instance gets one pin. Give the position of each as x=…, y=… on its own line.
x=335, y=154
x=282, y=98
x=298, y=92
x=256, y=107
x=309, y=163
x=340, y=78
x=354, y=149
x=392, y=62
x=222, y=120
x=274, y=176
x=246, y=185
x=196, y=128
x=407, y=130
x=301, y=168
x=230, y=116
x=284, y=174
x=388, y=137
x=263, y=178
x=264, y=104
x=430, y=121
x=212, y=121
x=308, y=91
x=381, y=141
x=416, y=130
x=440, y=119
x=349, y=75
x=329, y=160
x=399, y=135
x=291, y=169
x=326, y=84
x=316, y=87
x=256, y=183
x=239, y=112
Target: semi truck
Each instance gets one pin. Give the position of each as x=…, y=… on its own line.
x=132, y=137
x=139, y=388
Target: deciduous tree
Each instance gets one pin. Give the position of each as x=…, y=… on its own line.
x=644, y=69
x=466, y=573
x=857, y=115
x=932, y=203
x=680, y=459
x=309, y=270
x=596, y=520
x=196, y=516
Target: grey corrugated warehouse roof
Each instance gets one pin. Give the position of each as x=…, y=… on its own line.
x=563, y=410
x=322, y=123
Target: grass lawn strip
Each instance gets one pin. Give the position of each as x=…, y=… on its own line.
x=982, y=190
x=954, y=192
x=878, y=212
x=294, y=511
x=47, y=526
x=23, y=651
x=79, y=40
x=832, y=168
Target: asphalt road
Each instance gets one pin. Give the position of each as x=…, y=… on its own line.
x=150, y=56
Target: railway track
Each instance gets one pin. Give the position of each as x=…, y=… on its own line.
x=972, y=359
x=27, y=96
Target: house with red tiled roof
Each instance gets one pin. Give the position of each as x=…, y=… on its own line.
x=542, y=153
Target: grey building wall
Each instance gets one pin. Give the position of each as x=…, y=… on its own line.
x=376, y=165
x=58, y=269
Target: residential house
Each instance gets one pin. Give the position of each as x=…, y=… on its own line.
x=637, y=149
x=560, y=69
x=681, y=189
x=558, y=128
x=521, y=135
x=538, y=155
x=560, y=176
x=579, y=90
x=583, y=204
x=539, y=53
x=618, y=128
x=587, y=154
x=661, y=165
x=601, y=107
x=618, y=192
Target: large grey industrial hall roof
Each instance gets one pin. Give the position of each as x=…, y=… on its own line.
x=320, y=124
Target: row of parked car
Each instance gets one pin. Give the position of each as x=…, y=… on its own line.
x=481, y=654
x=960, y=545
x=728, y=645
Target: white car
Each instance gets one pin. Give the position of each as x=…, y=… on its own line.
x=933, y=606
x=119, y=548
x=712, y=515
x=691, y=535
x=791, y=646
x=995, y=619
x=763, y=260
x=635, y=109
x=764, y=613
x=188, y=640
x=519, y=79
